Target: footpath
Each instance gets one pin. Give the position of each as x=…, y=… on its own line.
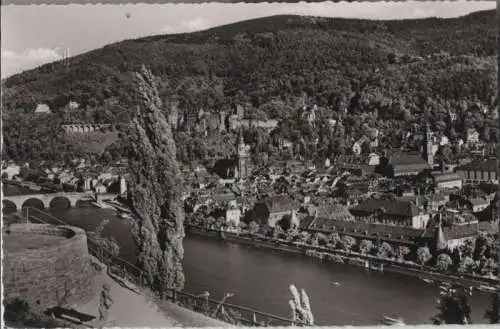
x=132, y=308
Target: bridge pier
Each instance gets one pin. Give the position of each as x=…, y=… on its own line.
x=46, y=199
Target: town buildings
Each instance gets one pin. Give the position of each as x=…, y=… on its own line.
x=243, y=159
x=447, y=180
x=42, y=109
x=10, y=170
x=391, y=212
x=479, y=171
x=272, y=210
x=233, y=213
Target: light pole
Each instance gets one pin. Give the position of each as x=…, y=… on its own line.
x=205, y=295
x=226, y=296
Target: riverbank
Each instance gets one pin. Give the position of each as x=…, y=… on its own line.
x=340, y=295
x=350, y=258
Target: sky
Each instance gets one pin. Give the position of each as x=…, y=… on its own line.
x=35, y=35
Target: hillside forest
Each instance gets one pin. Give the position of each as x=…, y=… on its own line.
x=388, y=75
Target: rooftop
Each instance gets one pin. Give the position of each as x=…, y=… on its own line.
x=445, y=177
x=483, y=165
x=279, y=203
x=388, y=207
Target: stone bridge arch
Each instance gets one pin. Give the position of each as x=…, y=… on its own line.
x=83, y=203
x=8, y=207
x=60, y=202
x=34, y=203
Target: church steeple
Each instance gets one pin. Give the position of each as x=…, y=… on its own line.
x=240, y=140
x=440, y=238
x=242, y=157
x=429, y=152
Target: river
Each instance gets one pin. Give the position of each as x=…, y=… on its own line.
x=339, y=294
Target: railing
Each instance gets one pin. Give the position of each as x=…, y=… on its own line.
x=233, y=314
x=229, y=313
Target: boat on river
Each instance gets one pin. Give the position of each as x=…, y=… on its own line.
x=124, y=215
x=486, y=288
x=116, y=205
x=389, y=321
x=377, y=267
x=101, y=205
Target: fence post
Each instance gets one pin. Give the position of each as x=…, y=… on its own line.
x=174, y=295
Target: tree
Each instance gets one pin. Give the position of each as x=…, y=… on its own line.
x=300, y=307
x=348, y=242
x=277, y=232
x=489, y=266
x=467, y=265
x=305, y=237
x=17, y=313
x=453, y=306
x=291, y=234
x=321, y=238
x=467, y=248
x=156, y=188
x=110, y=247
x=253, y=227
x=365, y=246
x=385, y=250
x=334, y=239
x=15, y=310
x=443, y=262
x=423, y=255
x=232, y=225
x=105, y=303
x=402, y=252
x=493, y=314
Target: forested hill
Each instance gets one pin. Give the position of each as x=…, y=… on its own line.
x=275, y=63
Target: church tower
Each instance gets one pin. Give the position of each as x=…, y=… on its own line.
x=242, y=158
x=429, y=154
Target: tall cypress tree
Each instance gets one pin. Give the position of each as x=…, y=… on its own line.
x=493, y=314
x=156, y=187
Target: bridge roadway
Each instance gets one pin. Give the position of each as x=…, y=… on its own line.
x=47, y=199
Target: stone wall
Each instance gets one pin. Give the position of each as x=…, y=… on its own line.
x=58, y=274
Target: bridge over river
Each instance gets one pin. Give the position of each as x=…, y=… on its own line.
x=47, y=201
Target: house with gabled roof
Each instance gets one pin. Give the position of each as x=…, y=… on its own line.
x=272, y=209
x=447, y=180
x=479, y=171
x=391, y=212
x=407, y=164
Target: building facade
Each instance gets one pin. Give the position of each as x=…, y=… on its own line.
x=391, y=212
x=480, y=171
